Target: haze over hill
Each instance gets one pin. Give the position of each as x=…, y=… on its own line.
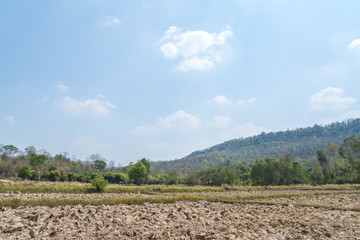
x=301, y=143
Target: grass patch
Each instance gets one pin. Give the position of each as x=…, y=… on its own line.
x=70, y=187
x=136, y=200
x=303, y=187
x=47, y=189
x=51, y=202
x=87, y=188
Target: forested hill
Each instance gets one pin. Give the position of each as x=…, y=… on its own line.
x=301, y=143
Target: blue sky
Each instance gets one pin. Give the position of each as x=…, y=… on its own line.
x=160, y=79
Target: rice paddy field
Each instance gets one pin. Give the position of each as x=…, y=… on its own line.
x=45, y=210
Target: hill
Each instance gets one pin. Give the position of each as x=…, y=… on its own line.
x=301, y=143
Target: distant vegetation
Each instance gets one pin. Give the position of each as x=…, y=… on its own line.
x=301, y=144
x=327, y=162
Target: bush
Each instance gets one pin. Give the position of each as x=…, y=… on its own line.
x=45, y=176
x=63, y=176
x=94, y=175
x=52, y=168
x=110, y=177
x=99, y=183
x=72, y=177
x=54, y=175
x=82, y=178
x=34, y=175
x=25, y=172
x=120, y=178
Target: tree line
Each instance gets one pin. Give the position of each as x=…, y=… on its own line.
x=334, y=164
x=301, y=143
x=39, y=165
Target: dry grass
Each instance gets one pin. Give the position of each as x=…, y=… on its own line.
x=71, y=187
x=270, y=199
x=174, y=194
x=50, y=202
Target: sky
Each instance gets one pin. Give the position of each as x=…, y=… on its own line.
x=161, y=79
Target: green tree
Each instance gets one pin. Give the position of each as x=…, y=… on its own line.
x=63, y=176
x=54, y=175
x=99, y=183
x=146, y=164
x=83, y=178
x=271, y=171
x=332, y=149
x=34, y=175
x=324, y=163
x=10, y=150
x=171, y=177
x=72, y=177
x=138, y=173
x=317, y=174
x=110, y=177
x=230, y=176
x=25, y=172
x=51, y=167
x=120, y=178
x=38, y=163
x=99, y=164
x=73, y=166
x=95, y=175
x=30, y=150
x=350, y=151
x=285, y=164
x=321, y=156
x=257, y=172
x=97, y=161
x=298, y=173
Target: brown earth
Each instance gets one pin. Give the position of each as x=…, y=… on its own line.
x=111, y=195
x=340, y=200
x=181, y=220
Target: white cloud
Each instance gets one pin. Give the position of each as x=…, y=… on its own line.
x=195, y=63
x=250, y=100
x=92, y=107
x=62, y=87
x=198, y=50
x=173, y=31
x=355, y=44
x=110, y=21
x=331, y=99
x=179, y=120
x=169, y=50
x=244, y=130
x=9, y=119
x=221, y=121
x=195, y=42
x=222, y=100
x=144, y=129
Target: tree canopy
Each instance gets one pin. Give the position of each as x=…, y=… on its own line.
x=301, y=144
x=138, y=173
